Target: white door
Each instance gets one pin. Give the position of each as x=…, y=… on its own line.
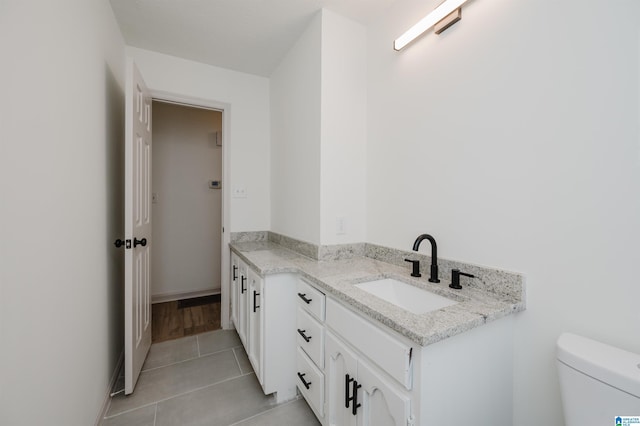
x=235, y=277
x=256, y=315
x=383, y=403
x=243, y=305
x=341, y=370
x=137, y=312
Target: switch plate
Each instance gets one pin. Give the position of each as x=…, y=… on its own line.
x=154, y=198
x=239, y=191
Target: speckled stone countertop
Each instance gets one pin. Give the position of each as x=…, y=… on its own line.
x=475, y=306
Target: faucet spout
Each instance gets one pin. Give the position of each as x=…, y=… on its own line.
x=434, y=255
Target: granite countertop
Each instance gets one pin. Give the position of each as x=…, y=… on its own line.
x=475, y=307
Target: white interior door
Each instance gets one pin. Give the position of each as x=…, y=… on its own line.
x=137, y=203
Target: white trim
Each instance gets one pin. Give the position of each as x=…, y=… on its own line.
x=107, y=398
x=169, y=297
x=160, y=95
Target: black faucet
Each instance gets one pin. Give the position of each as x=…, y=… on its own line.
x=434, y=255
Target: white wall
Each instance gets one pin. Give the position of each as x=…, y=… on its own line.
x=187, y=214
x=318, y=128
x=513, y=139
x=343, y=129
x=249, y=134
x=295, y=138
x=61, y=131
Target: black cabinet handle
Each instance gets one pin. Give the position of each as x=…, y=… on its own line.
x=354, y=407
x=118, y=243
x=242, y=287
x=347, y=382
x=137, y=242
x=304, y=382
x=235, y=269
x=304, y=336
x=255, y=293
x=302, y=296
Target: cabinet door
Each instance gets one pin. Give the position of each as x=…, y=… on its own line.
x=383, y=403
x=243, y=298
x=235, y=278
x=256, y=316
x=340, y=372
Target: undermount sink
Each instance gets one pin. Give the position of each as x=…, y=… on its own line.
x=405, y=296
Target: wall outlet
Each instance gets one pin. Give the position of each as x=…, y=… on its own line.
x=239, y=191
x=341, y=225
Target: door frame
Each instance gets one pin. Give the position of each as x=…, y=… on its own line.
x=225, y=108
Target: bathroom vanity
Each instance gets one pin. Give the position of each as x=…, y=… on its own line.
x=360, y=360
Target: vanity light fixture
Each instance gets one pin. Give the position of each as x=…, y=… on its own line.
x=446, y=8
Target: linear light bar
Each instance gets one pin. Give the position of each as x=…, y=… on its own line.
x=427, y=22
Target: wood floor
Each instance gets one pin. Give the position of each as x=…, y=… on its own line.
x=170, y=321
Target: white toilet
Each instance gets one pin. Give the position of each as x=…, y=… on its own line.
x=598, y=382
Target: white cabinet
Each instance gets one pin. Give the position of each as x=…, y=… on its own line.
x=256, y=332
x=358, y=393
x=341, y=367
x=383, y=402
x=235, y=278
x=242, y=326
x=264, y=314
x=310, y=340
x=354, y=371
x=277, y=322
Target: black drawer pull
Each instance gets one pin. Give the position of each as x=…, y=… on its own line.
x=354, y=407
x=304, y=336
x=304, y=382
x=255, y=293
x=302, y=296
x=235, y=269
x=242, y=287
x=347, y=382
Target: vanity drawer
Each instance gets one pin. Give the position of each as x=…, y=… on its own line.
x=310, y=335
x=311, y=299
x=310, y=381
x=393, y=356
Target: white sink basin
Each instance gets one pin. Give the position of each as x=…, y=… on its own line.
x=406, y=296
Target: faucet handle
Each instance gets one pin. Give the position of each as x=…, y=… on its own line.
x=416, y=267
x=455, y=278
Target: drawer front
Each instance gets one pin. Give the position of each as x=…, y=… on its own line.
x=388, y=353
x=310, y=381
x=311, y=299
x=310, y=335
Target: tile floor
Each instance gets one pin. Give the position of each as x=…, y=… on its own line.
x=204, y=379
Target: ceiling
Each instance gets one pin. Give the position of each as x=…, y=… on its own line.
x=250, y=36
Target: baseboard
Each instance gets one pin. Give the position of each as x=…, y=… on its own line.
x=170, y=297
x=107, y=398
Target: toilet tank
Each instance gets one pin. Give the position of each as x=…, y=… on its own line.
x=598, y=382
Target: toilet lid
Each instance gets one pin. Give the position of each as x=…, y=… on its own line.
x=611, y=365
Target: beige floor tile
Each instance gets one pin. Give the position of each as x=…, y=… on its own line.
x=221, y=404
x=295, y=413
x=243, y=360
x=165, y=382
x=218, y=340
x=144, y=416
x=171, y=351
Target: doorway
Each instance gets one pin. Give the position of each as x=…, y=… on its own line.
x=187, y=211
